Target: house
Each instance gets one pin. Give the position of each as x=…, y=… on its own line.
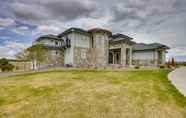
x=100, y=48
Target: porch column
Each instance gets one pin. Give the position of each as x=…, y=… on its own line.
x=155, y=57
x=130, y=59
x=163, y=57
x=123, y=56
x=113, y=58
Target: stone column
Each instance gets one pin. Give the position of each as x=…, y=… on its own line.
x=123, y=56
x=163, y=57
x=130, y=59
x=155, y=57
x=113, y=58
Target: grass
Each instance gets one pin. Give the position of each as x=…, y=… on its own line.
x=91, y=94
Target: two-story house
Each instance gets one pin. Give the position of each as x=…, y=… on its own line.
x=100, y=48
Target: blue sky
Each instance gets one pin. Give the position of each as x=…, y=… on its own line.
x=162, y=21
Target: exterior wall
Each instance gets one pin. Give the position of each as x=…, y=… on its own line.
x=145, y=58
x=99, y=49
x=81, y=57
x=81, y=40
x=76, y=55
x=148, y=58
x=69, y=52
x=143, y=55
x=56, y=56
x=81, y=50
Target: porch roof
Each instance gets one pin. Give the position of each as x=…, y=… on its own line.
x=49, y=36
x=118, y=38
x=152, y=46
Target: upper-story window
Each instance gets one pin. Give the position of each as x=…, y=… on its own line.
x=56, y=43
x=92, y=41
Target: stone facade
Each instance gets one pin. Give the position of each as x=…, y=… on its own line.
x=82, y=57
x=99, y=48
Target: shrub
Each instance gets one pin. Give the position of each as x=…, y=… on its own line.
x=137, y=67
x=162, y=66
x=68, y=65
x=7, y=67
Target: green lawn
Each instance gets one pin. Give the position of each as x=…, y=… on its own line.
x=91, y=94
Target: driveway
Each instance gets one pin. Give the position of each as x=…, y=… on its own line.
x=178, y=79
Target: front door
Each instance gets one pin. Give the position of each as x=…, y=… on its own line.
x=115, y=56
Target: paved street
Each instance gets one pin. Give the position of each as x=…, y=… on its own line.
x=178, y=78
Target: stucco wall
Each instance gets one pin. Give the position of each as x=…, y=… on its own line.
x=149, y=57
x=69, y=52
x=81, y=57
x=79, y=43
x=81, y=40
x=143, y=55
x=99, y=51
x=146, y=58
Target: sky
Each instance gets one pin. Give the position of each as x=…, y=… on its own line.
x=147, y=21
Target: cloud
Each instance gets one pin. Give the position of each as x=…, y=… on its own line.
x=43, y=10
x=5, y=22
x=22, y=30
x=162, y=21
x=49, y=29
x=28, y=12
x=11, y=48
x=4, y=37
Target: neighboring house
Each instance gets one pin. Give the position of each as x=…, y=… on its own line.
x=100, y=48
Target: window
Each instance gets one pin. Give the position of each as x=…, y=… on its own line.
x=56, y=43
x=83, y=54
x=92, y=42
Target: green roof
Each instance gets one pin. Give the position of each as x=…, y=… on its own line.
x=49, y=36
x=152, y=46
x=73, y=29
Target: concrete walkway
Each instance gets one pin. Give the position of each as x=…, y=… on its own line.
x=178, y=79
